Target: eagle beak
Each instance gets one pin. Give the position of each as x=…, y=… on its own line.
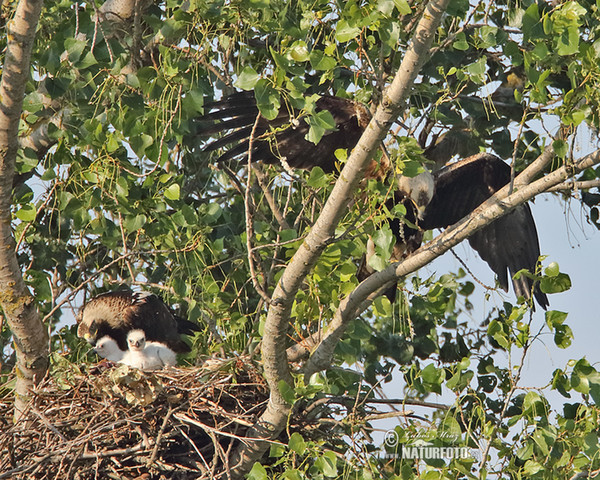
x=421, y=211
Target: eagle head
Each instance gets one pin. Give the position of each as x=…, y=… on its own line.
x=91, y=316
x=136, y=339
x=107, y=348
x=88, y=331
x=418, y=189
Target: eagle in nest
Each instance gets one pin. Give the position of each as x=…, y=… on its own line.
x=432, y=200
x=116, y=314
x=141, y=354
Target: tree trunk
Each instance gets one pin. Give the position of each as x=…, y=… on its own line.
x=30, y=337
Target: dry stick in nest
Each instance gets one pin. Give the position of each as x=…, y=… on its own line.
x=87, y=415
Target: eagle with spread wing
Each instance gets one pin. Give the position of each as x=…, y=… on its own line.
x=438, y=200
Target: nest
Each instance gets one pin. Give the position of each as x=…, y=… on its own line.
x=122, y=423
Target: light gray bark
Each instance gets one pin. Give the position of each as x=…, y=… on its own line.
x=30, y=337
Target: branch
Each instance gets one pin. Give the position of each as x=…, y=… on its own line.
x=496, y=206
x=31, y=339
x=274, y=356
x=573, y=185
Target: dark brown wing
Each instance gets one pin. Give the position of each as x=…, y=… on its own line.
x=510, y=243
x=284, y=136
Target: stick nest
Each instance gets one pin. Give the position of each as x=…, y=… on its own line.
x=121, y=423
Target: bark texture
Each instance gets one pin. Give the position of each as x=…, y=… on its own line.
x=30, y=337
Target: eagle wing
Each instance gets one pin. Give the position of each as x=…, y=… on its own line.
x=508, y=244
x=284, y=137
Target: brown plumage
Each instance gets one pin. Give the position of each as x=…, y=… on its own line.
x=284, y=136
x=114, y=314
x=508, y=245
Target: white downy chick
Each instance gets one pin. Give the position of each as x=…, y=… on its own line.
x=107, y=348
x=147, y=355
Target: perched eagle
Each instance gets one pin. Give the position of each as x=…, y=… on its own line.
x=436, y=200
x=115, y=314
x=147, y=355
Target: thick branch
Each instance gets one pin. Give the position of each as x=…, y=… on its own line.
x=498, y=205
x=274, y=356
x=31, y=341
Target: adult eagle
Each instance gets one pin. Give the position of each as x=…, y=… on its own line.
x=115, y=314
x=436, y=200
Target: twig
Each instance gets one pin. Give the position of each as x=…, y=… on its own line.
x=249, y=219
x=575, y=185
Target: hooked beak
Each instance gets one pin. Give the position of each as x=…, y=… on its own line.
x=421, y=211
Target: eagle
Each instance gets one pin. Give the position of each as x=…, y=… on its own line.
x=107, y=348
x=432, y=199
x=147, y=355
x=115, y=314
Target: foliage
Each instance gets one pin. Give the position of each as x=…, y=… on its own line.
x=127, y=196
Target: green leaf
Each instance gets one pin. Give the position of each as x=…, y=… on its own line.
x=320, y=61
x=561, y=383
x=247, y=79
x=552, y=270
x=561, y=148
x=433, y=377
x=267, y=99
x=320, y=123
x=74, y=48
x=257, y=472
x=556, y=284
x=326, y=464
x=26, y=213
x=173, y=192
x=497, y=331
x=292, y=474
x=287, y=392
x=317, y=178
x=135, y=223
x=345, y=32
x=531, y=467
x=403, y=7
x=276, y=450
x=297, y=443
x=526, y=451
x=460, y=42
x=299, y=51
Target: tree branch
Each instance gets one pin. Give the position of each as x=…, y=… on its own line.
x=274, y=356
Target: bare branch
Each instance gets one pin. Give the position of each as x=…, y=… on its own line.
x=573, y=185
